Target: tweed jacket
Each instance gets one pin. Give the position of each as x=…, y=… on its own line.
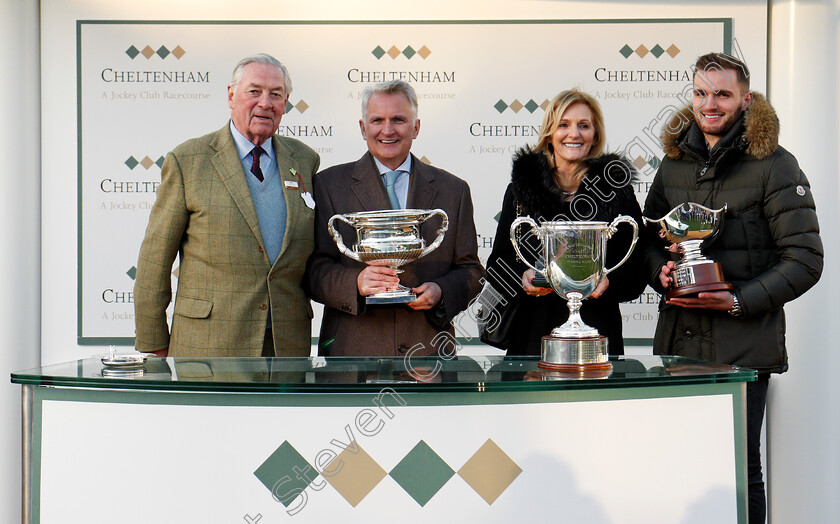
x=769, y=247
x=226, y=283
x=350, y=327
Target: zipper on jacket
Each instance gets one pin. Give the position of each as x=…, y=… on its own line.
x=705, y=168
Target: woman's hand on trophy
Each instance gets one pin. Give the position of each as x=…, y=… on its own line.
x=376, y=278
x=529, y=288
x=600, y=288
x=428, y=295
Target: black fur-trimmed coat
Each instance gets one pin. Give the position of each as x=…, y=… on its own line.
x=769, y=247
x=605, y=192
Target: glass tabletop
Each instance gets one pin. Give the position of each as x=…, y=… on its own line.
x=340, y=374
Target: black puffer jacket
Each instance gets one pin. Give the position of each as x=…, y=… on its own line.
x=605, y=193
x=770, y=247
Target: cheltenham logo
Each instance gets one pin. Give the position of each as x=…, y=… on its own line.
x=516, y=106
x=408, y=52
x=643, y=51
x=147, y=162
x=149, y=52
x=301, y=106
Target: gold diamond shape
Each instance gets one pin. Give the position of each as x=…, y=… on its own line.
x=545, y=104
x=147, y=162
x=178, y=52
x=425, y=160
x=673, y=51
x=147, y=52
x=516, y=105
x=490, y=471
x=394, y=52
x=301, y=106
x=424, y=52
x=639, y=162
x=357, y=476
x=642, y=50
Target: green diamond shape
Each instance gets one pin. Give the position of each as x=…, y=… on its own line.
x=289, y=106
x=654, y=162
x=132, y=52
x=285, y=473
x=163, y=52
x=159, y=162
x=501, y=106
x=131, y=272
x=626, y=51
x=657, y=51
x=531, y=106
x=378, y=52
x=409, y=52
x=422, y=473
x=498, y=216
x=131, y=162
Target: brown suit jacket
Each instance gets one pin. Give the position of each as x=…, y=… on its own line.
x=226, y=283
x=350, y=327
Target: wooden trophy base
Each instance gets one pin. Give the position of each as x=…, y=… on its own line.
x=698, y=278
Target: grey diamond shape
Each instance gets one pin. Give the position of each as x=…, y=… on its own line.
x=163, y=52
x=531, y=106
x=131, y=162
x=626, y=51
x=501, y=106
x=132, y=52
x=378, y=52
x=657, y=51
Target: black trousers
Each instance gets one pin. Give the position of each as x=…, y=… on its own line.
x=756, y=403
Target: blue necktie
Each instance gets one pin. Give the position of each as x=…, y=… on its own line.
x=390, y=179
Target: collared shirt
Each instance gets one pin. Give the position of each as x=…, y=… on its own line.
x=401, y=185
x=267, y=195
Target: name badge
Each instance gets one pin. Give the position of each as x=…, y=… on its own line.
x=291, y=184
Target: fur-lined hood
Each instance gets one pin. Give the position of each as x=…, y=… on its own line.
x=760, y=137
x=534, y=187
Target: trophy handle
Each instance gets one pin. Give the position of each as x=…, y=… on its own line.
x=530, y=221
x=613, y=228
x=340, y=241
x=440, y=232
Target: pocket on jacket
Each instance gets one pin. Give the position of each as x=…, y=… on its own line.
x=193, y=307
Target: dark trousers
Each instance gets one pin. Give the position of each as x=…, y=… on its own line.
x=756, y=402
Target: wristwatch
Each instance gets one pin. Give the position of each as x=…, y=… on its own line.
x=735, y=310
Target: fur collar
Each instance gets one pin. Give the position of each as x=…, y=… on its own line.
x=761, y=134
x=535, y=190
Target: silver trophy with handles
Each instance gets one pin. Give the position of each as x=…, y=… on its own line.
x=573, y=258
x=391, y=236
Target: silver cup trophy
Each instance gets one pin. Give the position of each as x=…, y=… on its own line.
x=691, y=225
x=573, y=257
x=391, y=236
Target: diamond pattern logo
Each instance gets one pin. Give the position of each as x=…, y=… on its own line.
x=490, y=471
x=132, y=273
x=642, y=51
x=301, y=106
x=149, y=52
x=146, y=162
x=393, y=51
x=516, y=106
x=422, y=473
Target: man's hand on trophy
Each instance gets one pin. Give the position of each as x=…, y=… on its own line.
x=428, y=295
x=665, y=274
x=717, y=300
x=376, y=278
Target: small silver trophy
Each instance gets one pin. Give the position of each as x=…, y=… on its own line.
x=574, y=254
x=392, y=236
x=690, y=225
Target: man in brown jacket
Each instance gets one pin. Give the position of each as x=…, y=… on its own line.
x=234, y=205
x=444, y=281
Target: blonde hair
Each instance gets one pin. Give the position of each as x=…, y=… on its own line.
x=551, y=121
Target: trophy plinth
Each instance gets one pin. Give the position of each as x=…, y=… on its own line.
x=573, y=259
x=692, y=225
x=392, y=238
